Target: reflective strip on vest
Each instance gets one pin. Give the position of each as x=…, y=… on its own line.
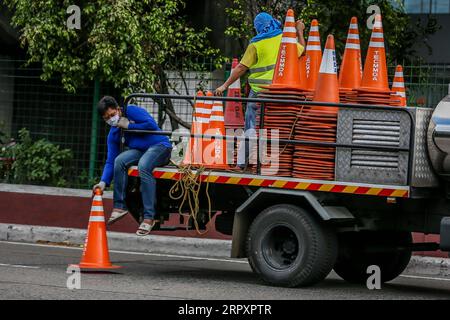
x=259, y=81
x=262, y=69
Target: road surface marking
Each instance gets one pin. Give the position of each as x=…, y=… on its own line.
x=425, y=278
x=133, y=253
x=17, y=266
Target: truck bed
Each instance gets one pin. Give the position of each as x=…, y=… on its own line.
x=236, y=178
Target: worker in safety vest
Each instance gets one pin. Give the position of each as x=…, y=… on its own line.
x=259, y=59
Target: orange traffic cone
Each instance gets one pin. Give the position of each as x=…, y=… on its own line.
x=312, y=58
x=375, y=78
x=398, y=87
x=327, y=88
x=200, y=119
x=351, y=68
x=95, y=254
x=234, y=117
x=287, y=70
x=215, y=154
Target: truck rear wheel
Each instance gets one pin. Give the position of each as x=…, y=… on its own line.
x=359, y=250
x=288, y=247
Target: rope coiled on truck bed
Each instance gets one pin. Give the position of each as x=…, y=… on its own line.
x=187, y=189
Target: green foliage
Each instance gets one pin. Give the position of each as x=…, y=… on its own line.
x=401, y=35
x=35, y=162
x=124, y=42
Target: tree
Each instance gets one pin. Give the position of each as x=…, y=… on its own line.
x=129, y=43
x=334, y=16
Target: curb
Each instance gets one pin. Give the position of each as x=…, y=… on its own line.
x=429, y=266
x=120, y=241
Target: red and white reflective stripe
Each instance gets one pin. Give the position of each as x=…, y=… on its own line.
x=355, y=46
x=377, y=35
x=290, y=29
x=314, y=28
x=288, y=40
x=353, y=26
x=290, y=19
x=314, y=38
x=97, y=208
x=217, y=118
x=313, y=48
x=96, y=219
x=353, y=36
x=398, y=85
x=97, y=198
x=374, y=44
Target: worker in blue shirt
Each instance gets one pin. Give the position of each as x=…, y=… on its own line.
x=146, y=150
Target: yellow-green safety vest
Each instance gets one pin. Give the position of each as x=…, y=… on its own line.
x=261, y=73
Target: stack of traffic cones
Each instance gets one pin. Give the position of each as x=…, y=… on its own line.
x=398, y=88
x=200, y=122
x=319, y=123
x=310, y=61
x=95, y=253
x=351, y=68
x=285, y=85
x=215, y=152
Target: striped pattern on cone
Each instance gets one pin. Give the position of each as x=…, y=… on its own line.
x=375, y=77
x=351, y=68
x=312, y=58
x=215, y=152
x=287, y=69
x=96, y=253
x=398, y=87
x=200, y=122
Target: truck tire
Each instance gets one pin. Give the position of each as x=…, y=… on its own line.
x=287, y=246
x=355, y=255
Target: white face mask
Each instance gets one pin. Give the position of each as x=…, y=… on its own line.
x=113, y=120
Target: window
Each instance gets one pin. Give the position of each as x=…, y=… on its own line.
x=427, y=6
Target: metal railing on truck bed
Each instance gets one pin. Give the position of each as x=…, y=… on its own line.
x=381, y=189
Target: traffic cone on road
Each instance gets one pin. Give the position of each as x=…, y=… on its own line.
x=312, y=58
x=398, y=88
x=96, y=254
x=216, y=152
x=350, y=73
x=234, y=117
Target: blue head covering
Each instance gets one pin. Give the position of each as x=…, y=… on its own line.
x=266, y=27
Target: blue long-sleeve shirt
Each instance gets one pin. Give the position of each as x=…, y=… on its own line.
x=140, y=119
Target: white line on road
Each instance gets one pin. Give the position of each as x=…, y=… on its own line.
x=17, y=266
x=134, y=253
x=425, y=278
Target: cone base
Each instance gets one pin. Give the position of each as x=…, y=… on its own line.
x=93, y=266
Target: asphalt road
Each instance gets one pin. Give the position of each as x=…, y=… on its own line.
x=39, y=272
